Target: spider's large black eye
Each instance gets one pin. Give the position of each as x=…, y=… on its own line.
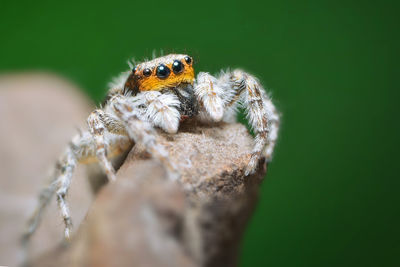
x=177, y=66
x=147, y=72
x=188, y=60
x=163, y=71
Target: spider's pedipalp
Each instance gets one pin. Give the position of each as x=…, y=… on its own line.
x=209, y=95
x=162, y=110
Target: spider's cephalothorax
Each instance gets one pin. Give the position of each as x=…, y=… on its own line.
x=160, y=93
x=173, y=74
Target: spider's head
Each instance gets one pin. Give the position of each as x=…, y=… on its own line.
x=161, y=73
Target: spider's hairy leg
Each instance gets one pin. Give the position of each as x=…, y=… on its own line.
x=273, y=129
x=141, y=131
x=59, y=184
x=261, y=112
x=98, y=122
x=45, y=196
x=209, y=95
x=82, y=149
x=63, y=184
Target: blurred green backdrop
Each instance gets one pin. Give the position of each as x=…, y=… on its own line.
x=332, y=193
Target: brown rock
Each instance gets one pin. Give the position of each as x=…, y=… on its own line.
x=144, y=219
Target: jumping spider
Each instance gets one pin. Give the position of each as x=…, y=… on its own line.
x=160, y=93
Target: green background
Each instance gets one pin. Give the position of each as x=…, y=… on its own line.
x=331, y=197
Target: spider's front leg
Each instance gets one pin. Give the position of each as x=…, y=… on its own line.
x=134, y=117
x=97, y=128
x=236, y=87
x=140, y=113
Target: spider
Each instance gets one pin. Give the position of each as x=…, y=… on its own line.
x=160, y=93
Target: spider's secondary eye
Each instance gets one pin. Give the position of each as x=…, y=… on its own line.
x=134, y=69
x=188, y=60
x=147, y=72
x=163, y=71
x=177, y=66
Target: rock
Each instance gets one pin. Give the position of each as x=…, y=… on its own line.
x=144, y=219
x=129, y=224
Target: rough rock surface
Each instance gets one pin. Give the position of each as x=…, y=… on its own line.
x=144, y=219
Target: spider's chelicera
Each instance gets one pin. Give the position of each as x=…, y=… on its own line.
x=160, y=93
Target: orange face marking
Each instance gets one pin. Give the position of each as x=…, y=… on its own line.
x=153, y=83
x=145, y=78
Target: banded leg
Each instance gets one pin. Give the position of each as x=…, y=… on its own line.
x=240, y=87
x=273, y=129
x=63, y=184
x=44, y=199
x=59, y=184
x=142, y=132
x=261, y=113
x=82, y=148
x=98, y=123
